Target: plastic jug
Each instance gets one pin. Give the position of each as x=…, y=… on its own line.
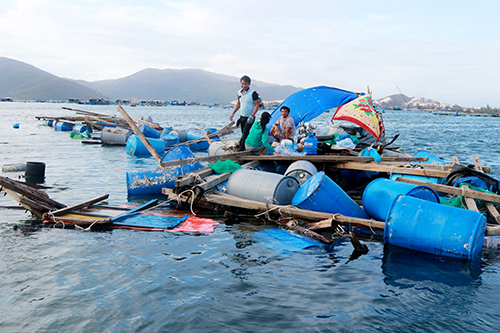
x=311, y=145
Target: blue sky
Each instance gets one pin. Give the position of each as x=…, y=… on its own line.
x=448, y=51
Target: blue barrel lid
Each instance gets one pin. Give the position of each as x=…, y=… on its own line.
x=308, y=188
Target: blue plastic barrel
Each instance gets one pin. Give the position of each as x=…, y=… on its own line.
x=152, y=181
x=148, y=131
x=182, y=152
x=49, y=122
x=193, y=134
x=166, y=130
x=81, y=128
x=379, y=195
x=136, y=147
x=170, y=139
x=311, y=145
x=211, y=130
x=63, y=126
x=404, y=268
x=430, y=227
x=320, y=193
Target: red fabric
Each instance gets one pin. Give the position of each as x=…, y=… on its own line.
x=196, y=224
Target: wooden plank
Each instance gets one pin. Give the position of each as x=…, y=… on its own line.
x=205, y=172
x=215, y=181
x=141, y=136
x=391, y=169
x=29, y=192
x=471, y=204
x=80, y=205
x=218, y=198
x=18, y=199
x=492, y=210
x=193, y=176
x=492, y=231
x=327, y=158
x=231, y=156
x=453, y=190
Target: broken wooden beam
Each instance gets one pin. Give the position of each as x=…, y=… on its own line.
x=83, y=204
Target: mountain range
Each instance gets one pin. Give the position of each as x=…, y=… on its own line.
x=22, y=81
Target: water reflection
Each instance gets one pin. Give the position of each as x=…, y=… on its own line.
x=406, y=268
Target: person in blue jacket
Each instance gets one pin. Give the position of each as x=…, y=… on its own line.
x=258, y=136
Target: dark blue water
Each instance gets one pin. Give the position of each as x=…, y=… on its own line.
x=54, y=280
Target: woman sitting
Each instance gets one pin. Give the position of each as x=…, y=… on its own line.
x=257, y=139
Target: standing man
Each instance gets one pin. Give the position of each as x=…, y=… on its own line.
x=284, y=128
x=248, y=103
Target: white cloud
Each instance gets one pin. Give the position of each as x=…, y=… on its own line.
x=426, y=48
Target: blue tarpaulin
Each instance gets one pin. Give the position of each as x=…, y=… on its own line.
x=307, y=104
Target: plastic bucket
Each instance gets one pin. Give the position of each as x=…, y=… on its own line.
x=379, y=195
x=35, y=171
x=136, y=147
x=222, y=147
x=430, y=227
x=170, y=139
x=182, y=152
x=301, y=170
x=321, y=194
x=63, y=126
x=115, y=136
x=81, y=128
x=152, y=181
x=262, y=186
x=148, y=131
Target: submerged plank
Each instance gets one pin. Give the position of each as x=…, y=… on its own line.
x=229, y=200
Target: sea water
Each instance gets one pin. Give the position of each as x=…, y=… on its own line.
x=57, y=280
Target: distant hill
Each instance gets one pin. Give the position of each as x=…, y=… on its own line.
x=404, y=102
x=190, y=85
x=26, y=82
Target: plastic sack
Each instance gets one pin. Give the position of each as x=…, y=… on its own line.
x=372, y=152
x=346, y=143
x=287, y=152
x=221, y=167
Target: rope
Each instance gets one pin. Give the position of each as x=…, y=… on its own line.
x=391, y=169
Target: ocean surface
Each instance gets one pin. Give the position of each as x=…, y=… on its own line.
x=60, y=280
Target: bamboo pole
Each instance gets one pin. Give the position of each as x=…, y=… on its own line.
x=141, y=136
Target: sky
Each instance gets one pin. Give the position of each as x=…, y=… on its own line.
x=443, y=50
